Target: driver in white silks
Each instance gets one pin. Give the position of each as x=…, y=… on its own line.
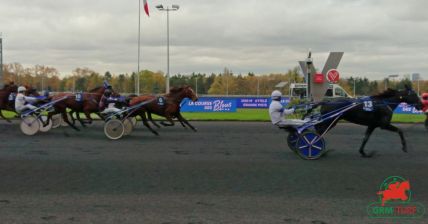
x=277, y=112
x=23, y=102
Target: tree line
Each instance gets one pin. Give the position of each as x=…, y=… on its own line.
x=225, y=83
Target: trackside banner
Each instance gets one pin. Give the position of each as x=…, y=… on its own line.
x=205, y=104
x=231, y=104
x=406, y=109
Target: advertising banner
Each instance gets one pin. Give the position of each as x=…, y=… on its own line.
x=208, y=104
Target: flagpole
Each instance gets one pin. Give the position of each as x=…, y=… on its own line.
x=137, y=78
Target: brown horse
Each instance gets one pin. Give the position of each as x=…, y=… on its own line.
x=5, y=104
x=169, y=109
x=88, y=105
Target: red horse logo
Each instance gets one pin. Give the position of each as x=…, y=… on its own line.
x=395, y=190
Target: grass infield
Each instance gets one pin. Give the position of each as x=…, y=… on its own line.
x=257, y=115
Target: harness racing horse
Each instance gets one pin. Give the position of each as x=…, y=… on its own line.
x=87, y=104
x=92, y=107
x=374, y=111
x=168, y=108
x=5, y=104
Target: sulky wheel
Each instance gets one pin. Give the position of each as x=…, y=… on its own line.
x=56, y=120
x=133, y=120
x=310, y=145
x=127, y=123
x=48, y=127
x=292, y=140
x=30, y=125
x=114, y=129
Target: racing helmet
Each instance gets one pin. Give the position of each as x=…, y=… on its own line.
x=22, y=89
x=107, y=92
x=276, y=95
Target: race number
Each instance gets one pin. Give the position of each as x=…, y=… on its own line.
x=79, y=97
x=368, y=105
x=161, y=101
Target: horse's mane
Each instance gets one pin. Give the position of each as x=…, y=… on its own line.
x=386, y=94
x=176, y=89
x=96, y=89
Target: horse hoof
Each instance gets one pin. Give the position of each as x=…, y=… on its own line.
x=404, y=149
x=195, y=130
x=370, y=155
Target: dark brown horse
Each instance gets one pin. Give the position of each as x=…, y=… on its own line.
x=88, y=105
x=169, y=109
x=5, y=103
x=373, y=112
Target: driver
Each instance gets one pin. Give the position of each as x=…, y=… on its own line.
x=23, y=102
x=107, y=103
x=277, y=112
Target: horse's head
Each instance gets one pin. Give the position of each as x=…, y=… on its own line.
x=189, y=93
x=11, y=87
x=409, y=96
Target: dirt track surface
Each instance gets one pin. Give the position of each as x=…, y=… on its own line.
x=227, y=172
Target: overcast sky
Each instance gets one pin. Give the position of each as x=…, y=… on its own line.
x=379, y=38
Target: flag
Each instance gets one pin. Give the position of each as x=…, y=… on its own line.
x=146, y=7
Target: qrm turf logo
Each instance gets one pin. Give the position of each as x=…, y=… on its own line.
x=395, y=198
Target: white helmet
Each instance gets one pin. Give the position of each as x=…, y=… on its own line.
x=22, y=89
x=276, y=95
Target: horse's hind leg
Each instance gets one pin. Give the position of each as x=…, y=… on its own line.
x=151, y=120
x=73, y=121
x=369, y=131
x=391, y=127
x=144, y=120
x=65, y=118
x=7, y=119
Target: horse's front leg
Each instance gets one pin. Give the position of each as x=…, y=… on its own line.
x=369, y=131
x=182, y=119
x=88, y=116
x=392, y=128
x=2, y=116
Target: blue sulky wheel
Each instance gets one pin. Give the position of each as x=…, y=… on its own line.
x=310, y=145
x=292, y=140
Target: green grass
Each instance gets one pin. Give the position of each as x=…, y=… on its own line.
x=256, y=115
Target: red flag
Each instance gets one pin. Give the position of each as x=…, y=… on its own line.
x=146, y=7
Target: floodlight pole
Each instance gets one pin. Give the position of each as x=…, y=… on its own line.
x=167, y=9
x=137, y=77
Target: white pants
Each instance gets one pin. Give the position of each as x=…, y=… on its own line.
x=291, y=122
x=110, y=110
x=26, y=107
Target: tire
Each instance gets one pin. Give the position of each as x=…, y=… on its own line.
x=133, y=120
x=310, y=145
x=48, y=127
x=127, y=123
x=56, y=120
x=30, y=125
x=114, y=129
x=292, y=140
